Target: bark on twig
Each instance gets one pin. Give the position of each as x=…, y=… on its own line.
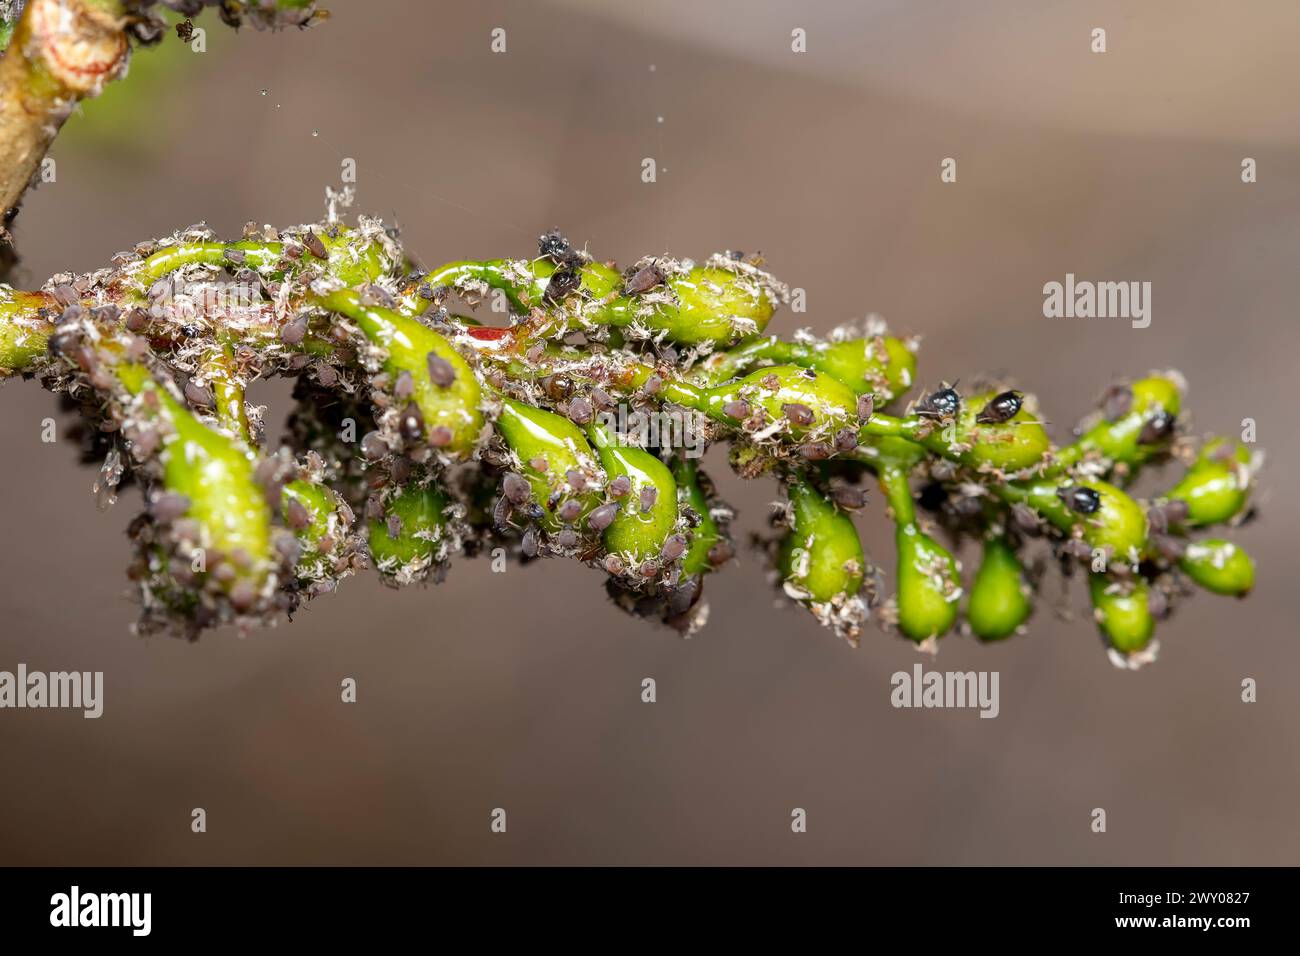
x=61, y=52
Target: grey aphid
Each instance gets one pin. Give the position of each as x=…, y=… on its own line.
x=580, y=411
x=516, y=488
x=674, y=548
x=314, y=245
x=169, y=506
x=816, y=451
x=620, y=486
x=798, y=414
x=602, y=517
x=199, y=395
x=649, y=495
x=295, y=330
x=373, y=446
x=737, y=409
x=441, y=372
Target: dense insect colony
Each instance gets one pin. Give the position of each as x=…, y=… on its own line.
x=420, y=434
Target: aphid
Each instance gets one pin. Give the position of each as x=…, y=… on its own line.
x=394, y=525
x=501, y=514
x=846, y=439
x=580, y=411
x=295, y=330
x=374, y=510
x=73, y=313
x=649, y=568
x=798, y=414
x=411, y=422
x=1158, y=603
x=849, y=497
x=945, y=403
x=602, y=517
x=1077, y=548
x=137, y=320
x=643, y=280
x=1081, y=500
x=653, y=385
x=296, y=515
x=199, y=395
x=326, y=374
x=441, y=372
x=866, y=408
x=577, y=480
x=720, y=553
x=1170, y=548
x=614, y=564
x=516, y=488
x=235, y=256
x=399, y=469
x=601, y=399
x=564, y=282
x=373, y=446
x=1001, y=408
x=65, y=295
x=649, y=495
x=673, y=549
x=1117, y=402
x=554, y=245
x=1176, y=510
x=529, y=544
x=816, y=451
x=243, y=596
x=538, y=464
x=1026, y=518
x=440, y=436
x=169, y=506
x=314, y=245
x=620, y=486
x=1156, y=428
x=404, y=386
x=570, y=510
x=567, y=538
x=737, y=409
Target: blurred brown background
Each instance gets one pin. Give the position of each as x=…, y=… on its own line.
x=522, y=690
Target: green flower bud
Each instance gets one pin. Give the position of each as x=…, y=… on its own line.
x=534, y=434
x=1119, y=523
x=999, y=598
x=1135, y=435
x=410, y=345
x=929, y=585
x=1217, y=486
x=648, y=513
x=708, y=304
x=1018, y=442
x=821, y=558
x=706, y=534
x=1219, y=566
x=325, y=528
x=23, y=333
x=417, y=515
x=881, y=365
x=215, y=475
x=805, y=401
x=1122, y=612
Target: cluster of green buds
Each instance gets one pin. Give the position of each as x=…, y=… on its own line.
x=421, y=434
